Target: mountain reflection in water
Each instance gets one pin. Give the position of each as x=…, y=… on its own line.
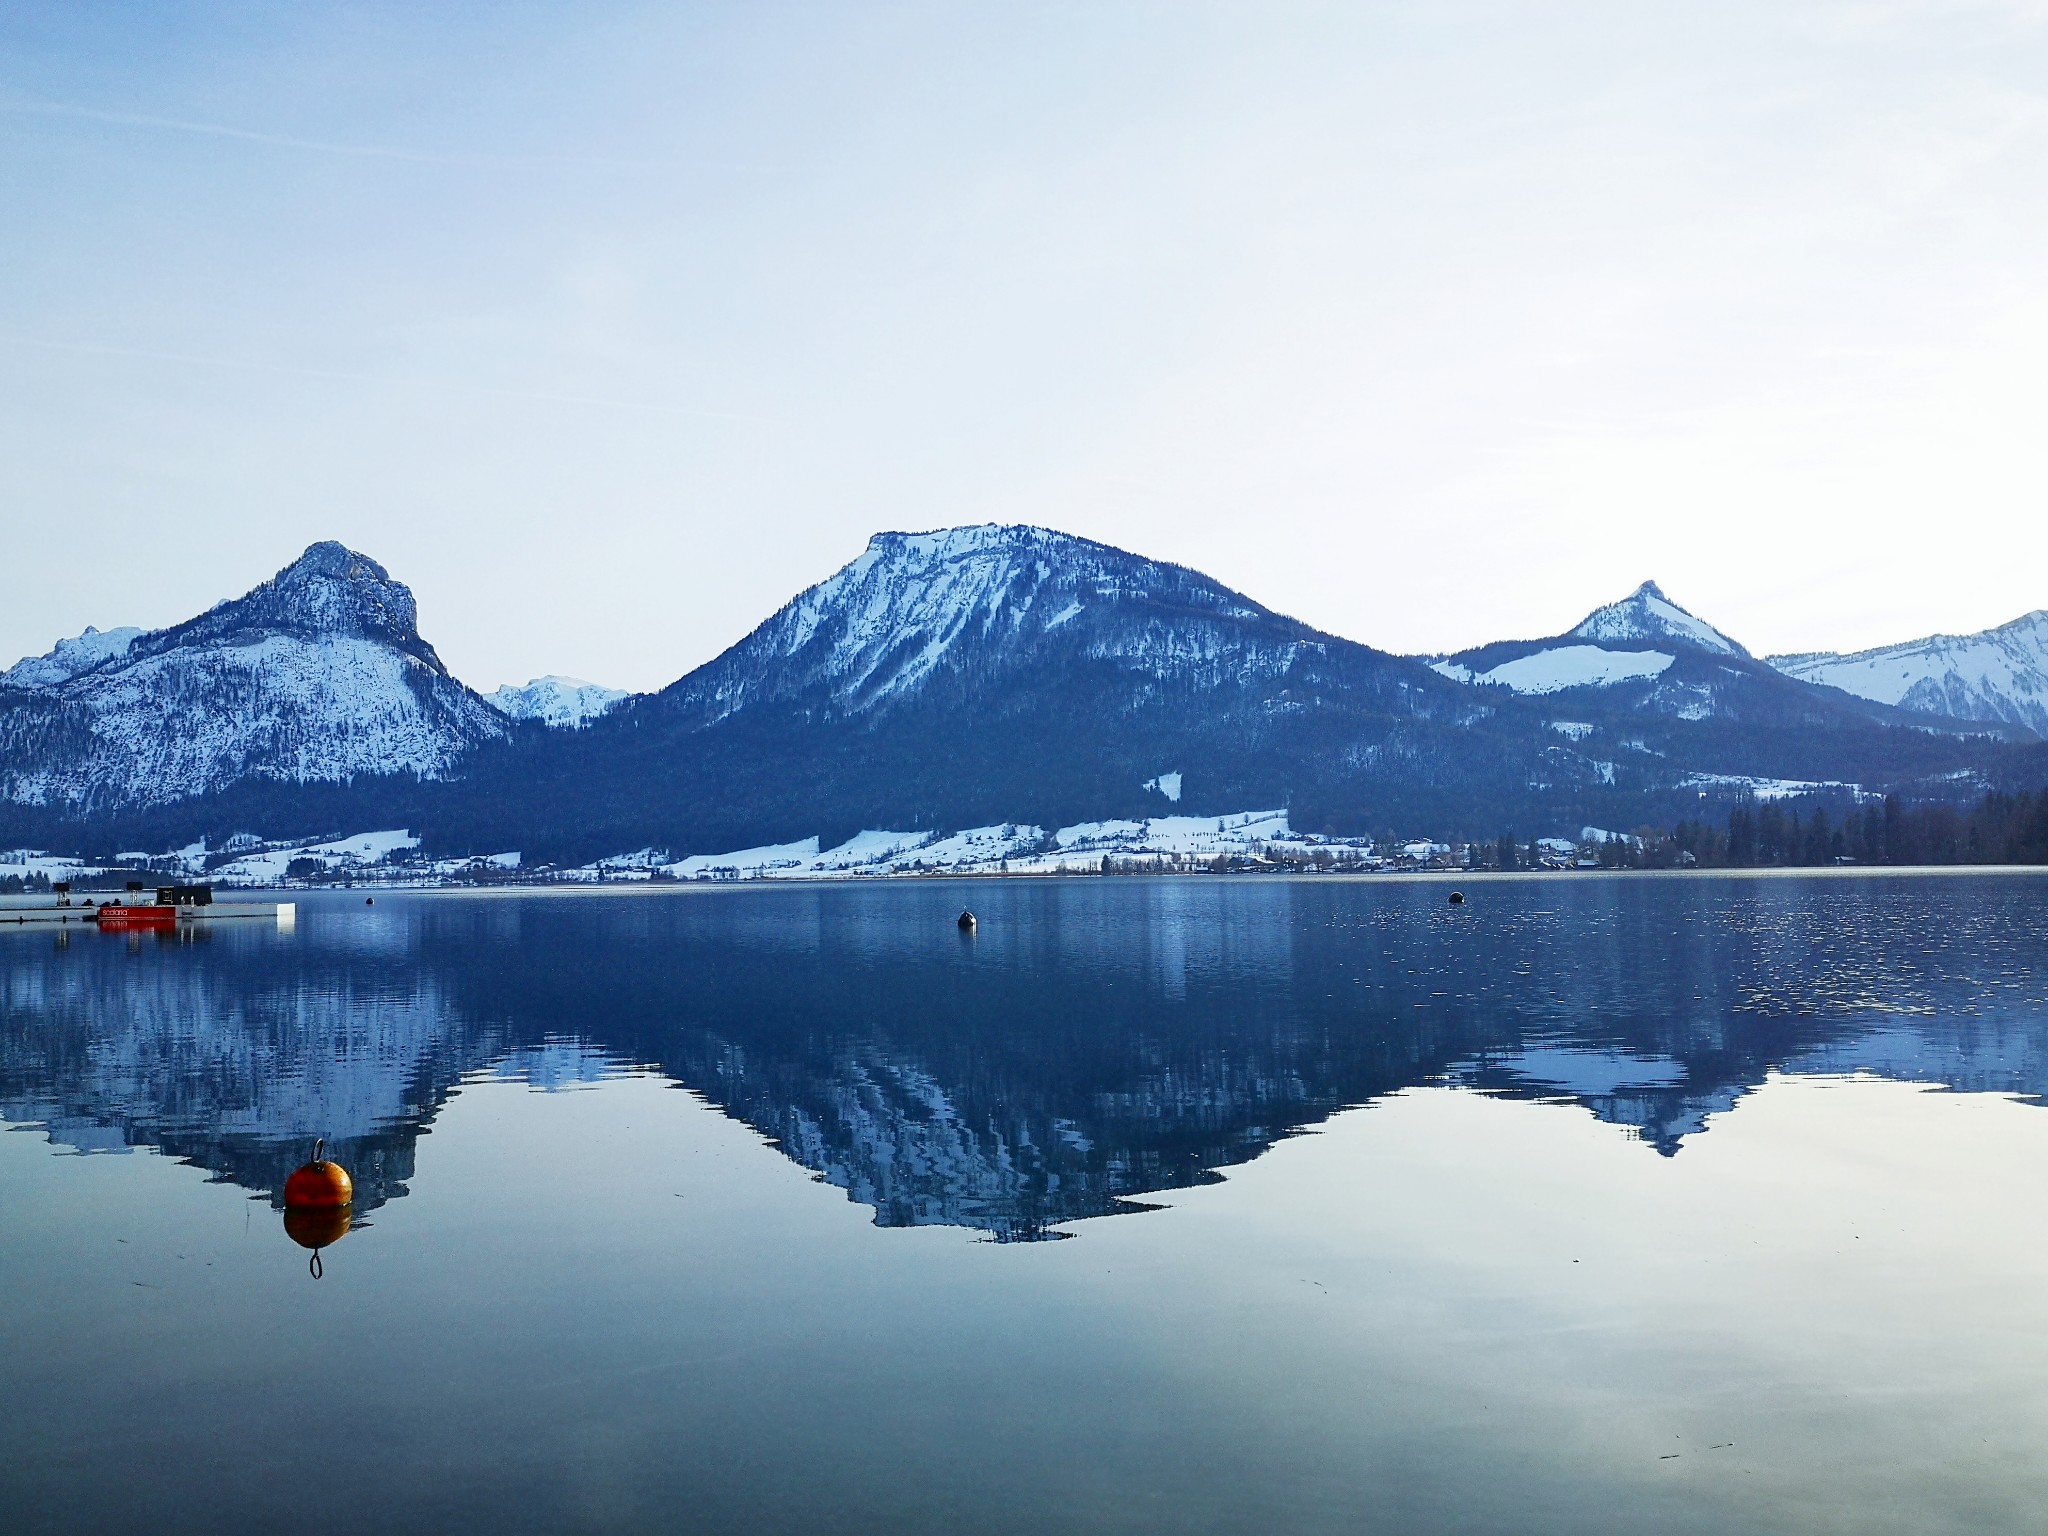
x=1094, y=1041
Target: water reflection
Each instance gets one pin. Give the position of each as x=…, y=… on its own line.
x=317, y=1229
x=1091, y=1042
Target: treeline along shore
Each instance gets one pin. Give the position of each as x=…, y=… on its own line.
x=2000, y=828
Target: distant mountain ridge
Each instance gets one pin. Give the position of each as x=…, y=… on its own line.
x=564, y=702
x=1995, y=674
x=68, y=658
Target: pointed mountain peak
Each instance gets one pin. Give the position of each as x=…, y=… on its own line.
x=1646, y=615
x=336, y=587
x=330, y=590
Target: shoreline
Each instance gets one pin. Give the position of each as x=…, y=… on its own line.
x=1401, y=877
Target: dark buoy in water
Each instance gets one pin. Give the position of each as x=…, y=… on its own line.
x=967, y=923
x=369, y=901
x=1457, y=898
x=319, y=1185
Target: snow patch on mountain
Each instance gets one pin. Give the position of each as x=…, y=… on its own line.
x=1996, y=674
x=68, y=658
x=1168, y=784
x=564, y=702
x=1561, y=667
x=1647, y=614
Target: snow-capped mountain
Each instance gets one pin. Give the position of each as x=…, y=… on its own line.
x=563, y=702
x=318, y=675
x=1996, y=674
x=1647, y=616
x=1634, y=640
x=1646, y=656
x=920, y=613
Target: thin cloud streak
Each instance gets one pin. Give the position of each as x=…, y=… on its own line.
x=317, y=146
x=90, y=349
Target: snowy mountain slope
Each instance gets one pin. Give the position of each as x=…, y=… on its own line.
x=68, y=658
x=1996, y=674
x=917, y=612
x=563, y=702
x=318, y=675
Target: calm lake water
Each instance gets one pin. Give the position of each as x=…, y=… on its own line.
x=1200, y=1205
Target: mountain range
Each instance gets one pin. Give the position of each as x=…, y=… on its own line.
x=972, y=677
x=1996, y=674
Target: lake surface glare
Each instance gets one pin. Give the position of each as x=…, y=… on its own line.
x=1687, y=1204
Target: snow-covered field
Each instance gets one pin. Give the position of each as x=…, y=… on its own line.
x=388, y=855
x=1013, y=848
x=268, y=866
x=26, y=863
x=1563, y=666
x=1773, y=789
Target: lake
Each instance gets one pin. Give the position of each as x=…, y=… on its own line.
x=1597, y=1203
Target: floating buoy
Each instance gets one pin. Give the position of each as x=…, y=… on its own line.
x=967, y=923
x=369, y=901
x=1457, y=898
x=319, y=1185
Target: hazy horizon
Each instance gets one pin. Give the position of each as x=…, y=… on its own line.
x=608, y=330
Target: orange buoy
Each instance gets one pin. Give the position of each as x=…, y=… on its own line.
x=319, y=1185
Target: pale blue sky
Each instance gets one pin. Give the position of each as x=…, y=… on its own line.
x=609, y=327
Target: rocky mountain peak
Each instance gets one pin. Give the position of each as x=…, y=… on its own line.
x=1647, y=616
x=329, y=591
